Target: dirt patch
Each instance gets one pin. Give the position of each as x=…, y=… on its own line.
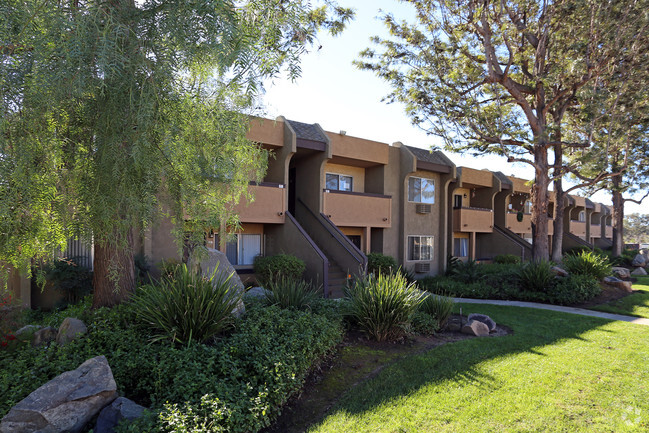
x=356, y=360
x=609, y=294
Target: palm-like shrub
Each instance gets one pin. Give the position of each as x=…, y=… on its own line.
x=536, y=277
x=587, y=263
x=439, y=307
x=468, y=272
x=289, y=292
x=187, y=306
x=382, y=305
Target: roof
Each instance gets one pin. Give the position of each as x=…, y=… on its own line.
x=427, y=155
x=506, y=182
x=306, y=131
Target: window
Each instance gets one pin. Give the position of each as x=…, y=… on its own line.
x=339, y=182
x=582, y=216
x=527, y=207
x=421, y=190
x=461, y=247
x=457, y=201
x=243, y=249
x=420, y=248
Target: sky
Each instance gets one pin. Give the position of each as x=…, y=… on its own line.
x=332, y=92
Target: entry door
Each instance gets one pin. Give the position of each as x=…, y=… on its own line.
x=457, y=201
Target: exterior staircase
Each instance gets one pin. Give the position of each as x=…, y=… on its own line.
x=337, y=280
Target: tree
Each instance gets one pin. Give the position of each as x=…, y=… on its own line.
x=636, y=228
x=112, y=111
x=497, y=77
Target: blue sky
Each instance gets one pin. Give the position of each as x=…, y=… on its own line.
x=333, y=93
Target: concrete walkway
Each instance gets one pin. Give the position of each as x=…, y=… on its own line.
x=571, y=310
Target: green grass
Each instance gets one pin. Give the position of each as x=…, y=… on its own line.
x=556, y=373
x=636, y=304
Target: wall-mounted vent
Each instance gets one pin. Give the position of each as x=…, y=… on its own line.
x=421, y=268
x=423, y=208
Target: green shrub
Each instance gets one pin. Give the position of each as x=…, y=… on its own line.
x=377, y=262
x=287, y=292
x=250, y=373
x=169, y=267
x=468, y=272
x=66, y=276
x=186, y=306
x=423, y=323
x=279, y=265
x=439, y=307
x=382, y=305
x=536, y=277
x=574, y=289
x=587, y=263
x=452, y=263
x=509, y=259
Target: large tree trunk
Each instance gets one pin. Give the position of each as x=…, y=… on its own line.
x=114, y=272
x=618, y=217
x=540, y=248
x=559, y=211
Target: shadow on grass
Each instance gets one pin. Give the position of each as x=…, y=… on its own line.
x=459, y=362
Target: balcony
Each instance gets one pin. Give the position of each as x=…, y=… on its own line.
x=609, y=232
x=524, y=226
x=470, y=219
x=357, y=209
x=578, y=228
x=268, y=206
x=595, y=231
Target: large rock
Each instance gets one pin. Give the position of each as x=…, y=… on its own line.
x=27, y=329
x=616, y=282
x=217, y=264
x=120, y=409
x=70, y=329
x=484, y=319
x=559, y=272
x=639, y=272
x=639, y=261
x=620, y=272
x=44, y=336
x=474, y=327
x=65, y=403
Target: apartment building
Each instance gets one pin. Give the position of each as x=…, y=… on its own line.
x=331, y=199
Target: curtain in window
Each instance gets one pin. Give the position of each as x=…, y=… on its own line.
x=461, y=247
x=420, y=247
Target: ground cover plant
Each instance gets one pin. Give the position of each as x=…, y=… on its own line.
x=635, y=304
x=277, y=266
x=556, y=372
x=247, y=374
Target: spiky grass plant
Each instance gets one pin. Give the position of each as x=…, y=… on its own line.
x=439, y=307
x=290, y=292
x=382, y=305
x=587, y=263
x=536, y=277
x=187, y=306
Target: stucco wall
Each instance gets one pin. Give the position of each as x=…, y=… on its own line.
x=357, y=174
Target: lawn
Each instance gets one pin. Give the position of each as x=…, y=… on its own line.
x=556, y=373
x=636, y=304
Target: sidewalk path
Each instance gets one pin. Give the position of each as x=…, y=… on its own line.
x=571, y=310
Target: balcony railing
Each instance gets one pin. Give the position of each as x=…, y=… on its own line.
x=595, y=231
x=471, y=219
x=524, y=226
x=357, y=209
x=268, y=206
x=578, y=228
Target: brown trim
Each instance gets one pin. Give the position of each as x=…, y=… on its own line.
x=268, y=184
x=311, y=144
x=474, y=208
x=431, y=166
x=363, y=194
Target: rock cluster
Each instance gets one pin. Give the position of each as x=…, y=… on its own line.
x=479, y=325
x=70, y=330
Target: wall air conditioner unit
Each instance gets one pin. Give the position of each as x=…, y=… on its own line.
x=421, y=268
x=423, y=208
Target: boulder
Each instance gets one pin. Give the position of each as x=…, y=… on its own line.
x=44, y=336
x=65, y=403
x=217, y=264
x=256, y=292
x=616, y=282
x=620, y=272
x=560, y=272
x=120, y=409
x=27, y=329
x=474, y=327
x=484, y=319
x=638, y=272
x=69, y=330
x=639, y=261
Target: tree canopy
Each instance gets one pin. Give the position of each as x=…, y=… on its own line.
x=111, y=111
x=498, y=76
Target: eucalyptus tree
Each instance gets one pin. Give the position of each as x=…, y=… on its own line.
x=497, y=76
x=636, y=228
x=114, y=110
